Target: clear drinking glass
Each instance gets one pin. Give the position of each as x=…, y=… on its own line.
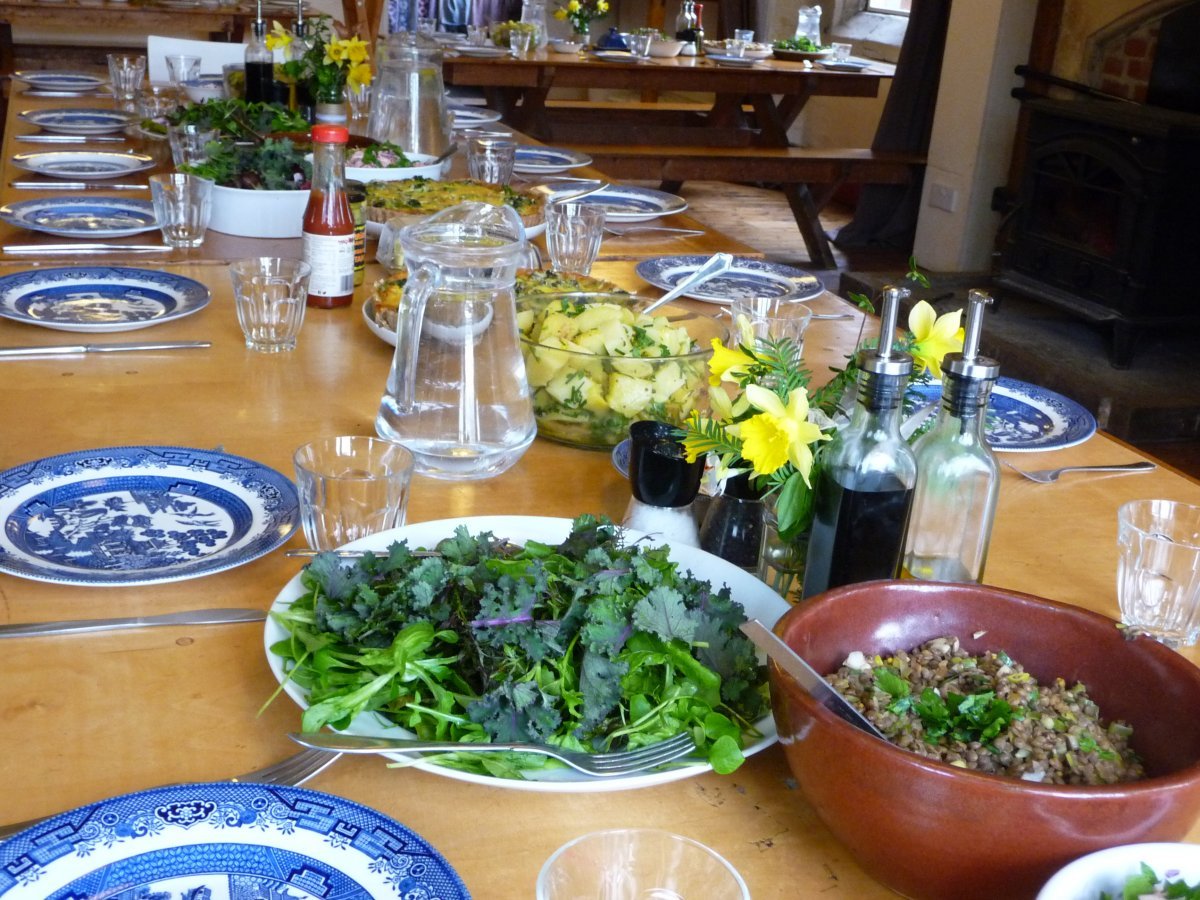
x=270, y=294
x=126, y=72
x=359, y=98
x=189, y=143
x=639, y=45
x=521, y=43
x=841, y=52
x=573, y=235
x=426, y=25
x=351, y=486
x=477, y=35
x=183, y=206
x=1158, y=569
x=773, y=318
x=181, y=68
x=491, y=159
x=638, y=862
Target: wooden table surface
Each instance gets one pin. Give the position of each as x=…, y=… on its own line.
x=94, y=715
x=776, y=89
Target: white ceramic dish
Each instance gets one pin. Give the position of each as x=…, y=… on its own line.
x=758, y=600
x=566, y=46
x=206, y=87
x=1108, y=870
x=665, y=49
x=736, y=62
x=481, y=52
x=424, y=167
x=264, y=214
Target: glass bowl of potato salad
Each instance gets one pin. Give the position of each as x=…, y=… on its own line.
x=596, y=363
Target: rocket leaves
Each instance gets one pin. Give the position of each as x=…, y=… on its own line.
x=591, y=644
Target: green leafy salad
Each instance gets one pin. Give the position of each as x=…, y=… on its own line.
x=591, y=645
x=236, y=118
x=273, y=165
x=1146, y=885
x=800, y=44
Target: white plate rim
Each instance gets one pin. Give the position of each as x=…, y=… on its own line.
x=138, y=162
x=669, y=204
x=744, y=264
x=15, y=213
x=569, y=159
x=768, y=610
x=275, y=526
x=192, y=295
x=736, y=62
x=73, y=80
x=50, y=120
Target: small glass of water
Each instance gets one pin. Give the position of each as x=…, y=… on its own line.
x=270, y=294
x=183, y=206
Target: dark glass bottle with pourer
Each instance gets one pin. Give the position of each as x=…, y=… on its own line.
x=864, y=484
x=260, y=63
x=958, y=479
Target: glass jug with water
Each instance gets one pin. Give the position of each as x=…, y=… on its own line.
x=534, y=12
x=457, y=395
x=808, y=24
x=408, y=106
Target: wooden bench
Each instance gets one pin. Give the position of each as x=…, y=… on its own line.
x=808, y=176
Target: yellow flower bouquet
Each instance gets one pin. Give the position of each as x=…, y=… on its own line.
x=324, y=64
x=764, y=420
x=580, y=13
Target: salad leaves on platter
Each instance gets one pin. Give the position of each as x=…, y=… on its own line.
x=1146, y=885
x=239, y=119
x=273, y=165
x=591, y=645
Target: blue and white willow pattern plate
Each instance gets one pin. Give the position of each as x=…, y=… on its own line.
x=533, y=159
x=140, y=515
x=634, y=204
x=58, y=80
x=78, y=121
x=1025, y=418
x=86, y=165
x=78, y=217
x=746, y=278
x=98, y=299
x=472, y=116
x=224, y=840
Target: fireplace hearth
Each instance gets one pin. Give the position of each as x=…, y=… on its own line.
x=1108, y=216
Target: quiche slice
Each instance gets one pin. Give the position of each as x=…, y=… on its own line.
x=423, y=196
x=387, y=291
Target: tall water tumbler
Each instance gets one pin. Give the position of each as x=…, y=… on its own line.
x=1158, y=569
x=491, y=159
x=126, y=71
x=183, y=206
x=573, y=235
x=270, y=294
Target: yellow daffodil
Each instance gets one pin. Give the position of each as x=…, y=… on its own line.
x=726, y=364
x=360, y=73
x=573, y=6
x=934, y=336
x=279, y=38
x=560, y=14
x=357, y=50
x=779, y=434
x=602, y=7
x=335, y=52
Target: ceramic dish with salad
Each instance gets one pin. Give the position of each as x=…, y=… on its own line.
x=575, y=633
x=261, y=190
x=382, y=161
x=800, y=49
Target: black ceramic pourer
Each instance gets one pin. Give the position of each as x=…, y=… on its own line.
x=659, y=472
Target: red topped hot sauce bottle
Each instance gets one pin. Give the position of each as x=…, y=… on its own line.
x=328, y=223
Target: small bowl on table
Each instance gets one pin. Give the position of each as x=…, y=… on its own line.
x=586, y=396
x=933, y=831
x=423, y=165
x=665, y=49
x=205, y=87
x=1109, y=870
x=568, y=46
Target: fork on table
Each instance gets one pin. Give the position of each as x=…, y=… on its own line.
x=1046, y=476
x=290, y=772
x=600, y=765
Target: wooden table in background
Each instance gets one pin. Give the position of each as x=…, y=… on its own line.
x=91, y=716
x=219, y=18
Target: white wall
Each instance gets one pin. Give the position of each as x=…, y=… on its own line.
x=973, y=130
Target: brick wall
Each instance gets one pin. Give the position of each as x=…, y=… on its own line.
x=1125, y=62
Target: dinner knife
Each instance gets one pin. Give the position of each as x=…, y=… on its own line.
x=76, y=186
x=808, y=677
x=188, y=617
x=69, y=138
x=39, y=249
x=67, y=349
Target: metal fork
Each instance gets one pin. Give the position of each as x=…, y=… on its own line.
x=1046, y=476
x=620, y=230
x=600, y=765
x=290, y=772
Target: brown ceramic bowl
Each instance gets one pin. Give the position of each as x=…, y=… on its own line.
x=930, y=830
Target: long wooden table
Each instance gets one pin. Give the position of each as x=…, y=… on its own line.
x=775, y=90
x=94, y=715
x=228, y=20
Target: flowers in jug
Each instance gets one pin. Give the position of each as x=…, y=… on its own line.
x=322, y=62
x=581, y=12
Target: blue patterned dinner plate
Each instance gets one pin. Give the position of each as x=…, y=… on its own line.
x=224, y=840
x=82, y=217
x=533, y=159
x=78, y=121
x=99, y=299
x=634, y=204
x=85, y=165
x=747, y=277
x=59, y=80
x=473, y=116
x=1024, y=418
x=140, y=515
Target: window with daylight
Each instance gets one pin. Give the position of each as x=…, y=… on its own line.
x=897, y=7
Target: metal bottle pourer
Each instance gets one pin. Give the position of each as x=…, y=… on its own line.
x=968, y=363
x=259, y=27
x=885, y=359
x=299, y=28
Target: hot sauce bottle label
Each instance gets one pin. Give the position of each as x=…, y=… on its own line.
x=332, y=259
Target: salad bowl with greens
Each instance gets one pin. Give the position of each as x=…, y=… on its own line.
x=575, y=633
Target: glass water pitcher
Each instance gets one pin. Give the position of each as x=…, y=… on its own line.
x=534, y=12
x=457, y=395
x=808, y=24
x=408, y=105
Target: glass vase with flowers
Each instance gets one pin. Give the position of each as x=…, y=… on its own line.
x=580, y=14
x=766, y=423
x=323, y=64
